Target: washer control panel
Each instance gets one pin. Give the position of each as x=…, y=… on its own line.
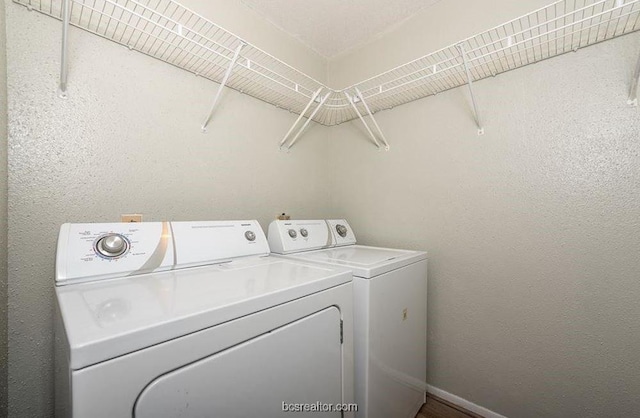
x=286, y=237
x=293, y=236
x=88, y=252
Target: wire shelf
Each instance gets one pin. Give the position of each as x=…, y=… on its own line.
x=170, y=32
x=561, y=27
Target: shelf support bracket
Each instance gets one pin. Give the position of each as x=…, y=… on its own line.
x=236, y=54
x=64, y=59
x=306, y=123
x=375, y=123
x=476, y=114
x=313, y=99
x=351, y=100
x=633, y=92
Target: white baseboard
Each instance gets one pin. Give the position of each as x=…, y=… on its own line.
x=468, y=405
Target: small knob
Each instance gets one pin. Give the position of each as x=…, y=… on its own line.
x=304, y=232
x=112, y=245
x=342, y=230
x=293, y=233
x=250, y=235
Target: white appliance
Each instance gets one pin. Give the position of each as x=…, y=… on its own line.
x=390, y=311
x=195, y=319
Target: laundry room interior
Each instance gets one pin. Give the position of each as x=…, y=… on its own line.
x=501, y=138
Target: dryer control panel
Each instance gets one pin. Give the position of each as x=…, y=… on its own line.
x=292, y=236
x=94, y=251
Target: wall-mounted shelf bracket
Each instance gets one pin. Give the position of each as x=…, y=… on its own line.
x=64, y=64
x=633, y=92
x=476, y=114
x=314, y=99
x=236, y=54
x=375, y=123
x=357, y=98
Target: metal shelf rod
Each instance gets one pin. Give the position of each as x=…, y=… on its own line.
x=476, y=114
x=373, y=137
x=633, y=91
x=221, y=87
x=64, y=55
x=309, y=119
x=366, y=106
x=313, y=99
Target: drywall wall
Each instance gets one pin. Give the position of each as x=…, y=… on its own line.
x=126, y=140
x=437, y=26
x=532, y=230
x=3, y=216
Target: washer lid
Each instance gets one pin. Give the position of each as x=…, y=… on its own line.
x=364, y=261
x=109, y=318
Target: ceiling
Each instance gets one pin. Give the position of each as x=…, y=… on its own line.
x=333, y=27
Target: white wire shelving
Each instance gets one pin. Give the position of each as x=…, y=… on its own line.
x=561, y=27
x=168, y=31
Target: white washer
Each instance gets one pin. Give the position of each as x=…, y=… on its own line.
x=194, y=319
x=390, y=311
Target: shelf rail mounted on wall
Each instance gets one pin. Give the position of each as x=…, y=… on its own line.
x=168, y=31
x=353, y=101
x=221, y=86
x=476, y=114
x=633, y=92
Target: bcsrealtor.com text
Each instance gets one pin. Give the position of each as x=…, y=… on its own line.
x=319, y=407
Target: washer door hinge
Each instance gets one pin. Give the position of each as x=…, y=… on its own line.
x=341, y=331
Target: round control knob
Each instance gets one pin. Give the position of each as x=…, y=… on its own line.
x=293, y=233
x=304, y=232
x=112, y=245
x=342, y=230
x=250, y=235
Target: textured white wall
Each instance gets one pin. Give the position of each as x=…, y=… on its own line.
x=126, y=140
x=533, y=230
x=3, y=216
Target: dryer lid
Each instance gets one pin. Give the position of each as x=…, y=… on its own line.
x=109, y=318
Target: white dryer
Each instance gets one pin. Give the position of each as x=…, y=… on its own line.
x=390, y=311
x=195, y=319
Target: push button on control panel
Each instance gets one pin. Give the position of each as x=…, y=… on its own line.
x=304, y=232
x=111, y=246
x=250, y=235
x=293, y=233
x=342, y=230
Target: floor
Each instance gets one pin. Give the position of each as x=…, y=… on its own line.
x=439, y=408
